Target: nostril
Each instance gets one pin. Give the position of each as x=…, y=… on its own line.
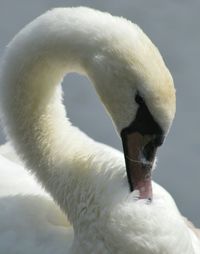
x=149, y=151
x=150, y=148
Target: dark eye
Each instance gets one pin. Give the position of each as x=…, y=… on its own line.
x=139, y=100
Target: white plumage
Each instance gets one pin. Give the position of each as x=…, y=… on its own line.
x=30, y=222
x=85, y=178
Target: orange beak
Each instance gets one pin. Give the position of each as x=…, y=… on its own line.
x=140, y=152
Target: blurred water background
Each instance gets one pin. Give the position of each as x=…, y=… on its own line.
x=174, y=27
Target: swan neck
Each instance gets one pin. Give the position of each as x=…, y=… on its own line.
x=34, y=65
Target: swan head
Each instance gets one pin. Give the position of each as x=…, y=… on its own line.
x=138, y=92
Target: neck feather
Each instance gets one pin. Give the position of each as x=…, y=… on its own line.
x=34, y=66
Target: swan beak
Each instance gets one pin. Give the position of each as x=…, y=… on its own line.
x=140, y=152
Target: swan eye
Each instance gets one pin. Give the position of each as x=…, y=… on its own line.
x=139, y=100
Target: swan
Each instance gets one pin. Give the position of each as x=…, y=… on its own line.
x=108, y=198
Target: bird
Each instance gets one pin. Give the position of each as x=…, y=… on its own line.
x=78, y=195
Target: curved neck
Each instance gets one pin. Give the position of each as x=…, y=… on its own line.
x=35, y=64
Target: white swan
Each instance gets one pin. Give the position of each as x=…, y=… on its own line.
x=88, y=180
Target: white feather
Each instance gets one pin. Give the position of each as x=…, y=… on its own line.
x=85, y=178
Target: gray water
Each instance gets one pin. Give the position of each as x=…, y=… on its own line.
x=174, y=27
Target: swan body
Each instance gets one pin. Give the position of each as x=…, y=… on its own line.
x=21, y=197
x=86, y=179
